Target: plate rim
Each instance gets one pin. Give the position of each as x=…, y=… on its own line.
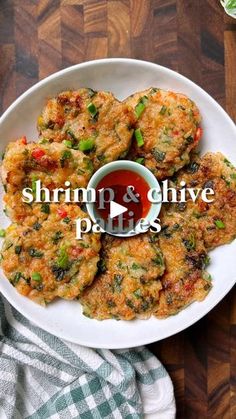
x=201, y=313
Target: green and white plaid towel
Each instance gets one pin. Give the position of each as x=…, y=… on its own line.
x=42, y=376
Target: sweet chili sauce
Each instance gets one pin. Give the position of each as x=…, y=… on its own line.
x=118, y=181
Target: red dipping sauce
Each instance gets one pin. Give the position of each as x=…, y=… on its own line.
x=118, y=181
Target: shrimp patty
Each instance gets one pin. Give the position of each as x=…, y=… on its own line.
x=129, y=284
x=53, y=164
x=94, y=122
x=166, y=130
x=44, y=260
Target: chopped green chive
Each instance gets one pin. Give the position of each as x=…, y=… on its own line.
x=158, y=155
x=138, y=293
x=35, y=253
x=66, y=155
x=163, y=110
x=34, y=180
x=135, y=266
x=43, y=141
x=2, y=232
x=17, y=277
x=190, y=243
x=37, y=226
x=219, y=224
x=36, y=276
x=140, y=160
x=158, y=260
x=66, y=220
x=139, y=137
x=117, y=282
x=71, y=134
x=56, y=237
x=139, y=108
x=45, y=208
x=92, y=109
x=206, y=261
x=86, y=145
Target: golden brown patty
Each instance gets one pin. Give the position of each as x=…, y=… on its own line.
x=217, y=220
x=129, y=285
x=167, y=130
x=94, y=122
x=53, y=164
x=45, y=261
x=184, y=279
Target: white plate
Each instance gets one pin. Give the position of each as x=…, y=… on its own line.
x=123, y=77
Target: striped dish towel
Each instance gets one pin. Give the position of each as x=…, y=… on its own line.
x=42, y=377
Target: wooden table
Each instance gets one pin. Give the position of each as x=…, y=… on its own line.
x=194, y=37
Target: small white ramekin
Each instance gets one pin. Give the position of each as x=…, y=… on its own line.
x=138, y=168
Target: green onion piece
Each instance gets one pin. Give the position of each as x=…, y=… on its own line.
x=140, y=160
x=163, y=110
x=2, y=232
x=219, y=224
x=139, y=137
x=17, y=277
x=36, y=276
x=86, y=145
x=66, y=220
x=67, y=143
x=66, y=155
x=139, y=108
x=45, y=208
x=63, y=259
x=34, y=253
x=92, y=109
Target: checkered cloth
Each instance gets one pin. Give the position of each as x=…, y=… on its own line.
x=42, y=377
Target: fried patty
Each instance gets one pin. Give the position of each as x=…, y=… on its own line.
x=95, y=122
x=129, y=285
x=53, y=164
x=185, y=279
x=166, y=130
x=216, y=220
x=45, y=261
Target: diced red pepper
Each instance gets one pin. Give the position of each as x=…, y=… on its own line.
x=198, y=134
x=24, y=140
x=62, y=213
x=38, y=153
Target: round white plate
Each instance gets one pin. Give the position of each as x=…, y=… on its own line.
x=122, y=77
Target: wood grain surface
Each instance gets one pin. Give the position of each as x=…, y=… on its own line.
x=194, y=37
